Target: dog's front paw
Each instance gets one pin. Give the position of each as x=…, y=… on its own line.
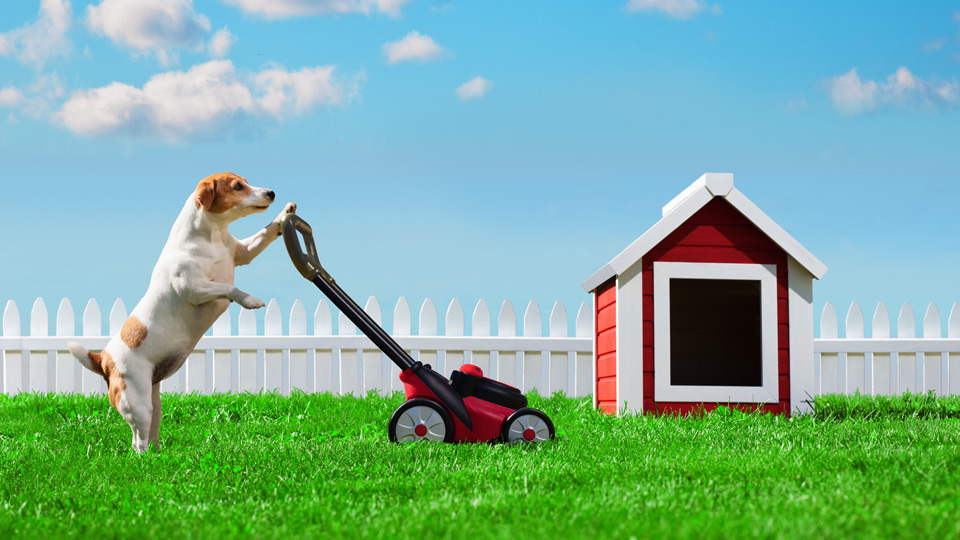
x=289, y=208
x=250, y=302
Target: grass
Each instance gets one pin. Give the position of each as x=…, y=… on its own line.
x=320, y=466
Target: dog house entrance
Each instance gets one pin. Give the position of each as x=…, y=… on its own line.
x=715, y=332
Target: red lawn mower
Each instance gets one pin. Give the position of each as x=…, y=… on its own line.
x=467, y=407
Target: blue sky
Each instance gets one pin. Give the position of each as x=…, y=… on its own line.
x=497, y=150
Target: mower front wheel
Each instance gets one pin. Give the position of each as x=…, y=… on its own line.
x=527, y=425
x=420, y=419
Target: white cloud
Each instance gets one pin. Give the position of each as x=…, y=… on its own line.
x=10, y=97
x=678, y=9
x=852, y=95
x=37, y=98
x=283, y=9
x=206, y=99
x=413, y=46
x=283, y=92
x=147, y=25
x=46, y=38
x=476, y=87
x=221, y=42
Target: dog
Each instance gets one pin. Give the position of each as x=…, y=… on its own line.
x=191, y=286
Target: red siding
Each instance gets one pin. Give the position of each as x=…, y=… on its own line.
x=717, y=233
x=605, y=344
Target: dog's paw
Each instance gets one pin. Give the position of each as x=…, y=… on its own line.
x=290, y=208
x=250, y=302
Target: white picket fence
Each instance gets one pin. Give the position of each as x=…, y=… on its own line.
x=885, y=365
x=342, y=363
x=228, y=361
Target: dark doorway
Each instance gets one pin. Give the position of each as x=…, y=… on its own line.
x=715, y=332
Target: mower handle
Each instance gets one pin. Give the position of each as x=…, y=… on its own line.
x=307, y=263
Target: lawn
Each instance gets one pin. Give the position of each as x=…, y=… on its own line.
x=320, y=466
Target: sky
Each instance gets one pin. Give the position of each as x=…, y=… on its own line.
x=502, y=150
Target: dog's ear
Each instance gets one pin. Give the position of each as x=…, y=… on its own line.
x=206, y=192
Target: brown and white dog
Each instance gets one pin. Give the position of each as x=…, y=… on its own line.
x=191, y=286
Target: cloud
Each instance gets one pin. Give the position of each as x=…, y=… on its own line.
x=207, y=99
x=37, y=98
x=413, y=46
x=933, y=46
x=150, y=25
x=46, y=38
x=475, y=88
x=677, y=9
x=852, y=95
x=10, y=97
x=221, y=42
x=283, y=9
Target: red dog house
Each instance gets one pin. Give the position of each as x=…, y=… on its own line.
x=712, y=305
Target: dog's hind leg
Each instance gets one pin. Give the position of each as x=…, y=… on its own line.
x=155, y=422
x=136, y=406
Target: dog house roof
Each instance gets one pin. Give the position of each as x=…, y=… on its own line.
x=686, y=204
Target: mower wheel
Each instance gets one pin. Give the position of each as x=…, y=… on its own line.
x=527, y=426
x=420, y=419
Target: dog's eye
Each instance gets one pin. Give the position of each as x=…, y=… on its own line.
x=238, y=187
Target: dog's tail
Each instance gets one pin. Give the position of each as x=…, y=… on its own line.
x=88, y=359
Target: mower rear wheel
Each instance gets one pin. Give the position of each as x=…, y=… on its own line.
x=420, y=419
x=527, y=425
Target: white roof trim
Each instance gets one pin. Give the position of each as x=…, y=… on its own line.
x=718, y=184
x=685, y=205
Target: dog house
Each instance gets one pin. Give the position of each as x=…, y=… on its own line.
x=712, y=305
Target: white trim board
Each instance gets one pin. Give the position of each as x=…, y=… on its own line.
x=685, y=205
x=766, y=274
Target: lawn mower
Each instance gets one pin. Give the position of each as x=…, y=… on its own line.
x=467, y=407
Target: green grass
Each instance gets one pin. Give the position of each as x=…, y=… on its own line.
x=319, y=466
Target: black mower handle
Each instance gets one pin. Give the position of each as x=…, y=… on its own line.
x=308, y=264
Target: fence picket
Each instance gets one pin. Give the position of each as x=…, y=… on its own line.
x=953, y=361
x=583, y=369
x=373, y=368
x=883, y=383
x=401, y=327
x=350, y=382
x=507, y=360
x=532, y=360
x=195, y=372
x=856, y=364
x=453, y=326
x=67, y=368
x=428, y=327
x=559, y=361
x=13, y=368
x=829, y=362
x=480, y=326
x=273, y=358
x=225, y=375
x=41, y=364
x=300, y=376
x=326, y=372
x=907, y=362
x=92, y=326
x=248, y=375
x=932, y=361
x=118, y=316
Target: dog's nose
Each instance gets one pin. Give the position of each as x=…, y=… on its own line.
x=271, y=195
